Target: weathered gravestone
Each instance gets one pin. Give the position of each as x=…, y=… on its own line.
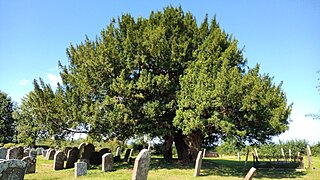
x=117, y=157
x=239, y=157
x=309, y=154
x=95, y=158
x=65, y=151
x=204, y=153
x=104, y=151
x=198, y=164
x=33, y=153
x=58, y=160
x=50, y=154
x=30, y=164
x=12, y=169
x=118, y=152
x=3, y=153
x=282, y=154
x=15, y=153
x=107, y=162
x=44, y=153
x=80, y=169
x=250, y=174
x=72, y=157
x=141, y=165
x=26, y=152
x=126, y=156
x=39, y=150
x=81, y=149
x=86, y=153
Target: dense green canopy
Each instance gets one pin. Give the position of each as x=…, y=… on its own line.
x=7, y=122
x=165, y=76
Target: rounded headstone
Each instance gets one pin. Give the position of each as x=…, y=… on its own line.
x=58, y=160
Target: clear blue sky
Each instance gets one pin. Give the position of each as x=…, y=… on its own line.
x=282, y=36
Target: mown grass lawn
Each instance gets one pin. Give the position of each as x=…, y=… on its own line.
x=212, y=168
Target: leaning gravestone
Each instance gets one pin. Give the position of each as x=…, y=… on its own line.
x=30, y=164
x=58, y=160
x=107, y=162
x=198, y=164
x=250, y=174
x=80, y=169
x=141, y=165
x=12, y=169
x=3, y=153
x=309, y=154
x=15, y=153
x=72, y=157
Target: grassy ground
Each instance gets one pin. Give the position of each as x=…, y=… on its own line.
x=217, y=168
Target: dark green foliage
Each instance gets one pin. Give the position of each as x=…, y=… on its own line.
x=7, y=122
x=274, y=149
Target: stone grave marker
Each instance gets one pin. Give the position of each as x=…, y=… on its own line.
x=95, y=158
x=198, y=164
x=204, y=153
x=130, y=159
x=239, y=157
x=290, y=154
x=107, y=162
x=15, y=153
x=72, y=157
x=26, y=152
x=30, y=164
x=118, y=152
x=12, y=169
x=50, y=154
x=3, y=153
x=39, y=150
x=58, y=160
x=33, y=153
x=86, y=154
x=104, y=151
x=126, y=156
x=81, y=148
x=256, y=153
x=80, y=169
x=141, y=165
x=44, y=153
x=309, y=154
x=250, y=174
x=282, y=153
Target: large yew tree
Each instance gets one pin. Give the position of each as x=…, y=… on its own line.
x=166, y=76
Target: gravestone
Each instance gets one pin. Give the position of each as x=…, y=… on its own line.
x=26, y=152
x=309, y=154
x=12, y=169
x=126, y=156
x=81, y=148
x=95, y=158
x=204, y=153
x=239, y=157
x=33, y=153
x=3, y=153
x=118, y=152
x=250, y=174
x=15, y=153
x=72, y=157
x=80, y=169
x=282, y=153
x=141, y=165
x=107, y=162
x=104, y=151
x=30, y=164
x=66, y=150
x=58, y=160
x=39, y=150
x=198, y=164
x=130, y=159
x=44, y=153
x=50, y=154
x=256, y=153
x=290, y=154
x=86, y=153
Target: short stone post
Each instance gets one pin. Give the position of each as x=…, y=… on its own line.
x=107, y=162
x=239, y=157
x=290, y=154
x=80, y=169
x=309, y=154
x=204, y=153
x=256, y=153
x=141, y=165
x=282, y=153
x=198, y=164
x=250, y=174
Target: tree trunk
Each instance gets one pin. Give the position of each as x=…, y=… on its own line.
x=194, y=144
x=167, y=147
x=181, y=146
